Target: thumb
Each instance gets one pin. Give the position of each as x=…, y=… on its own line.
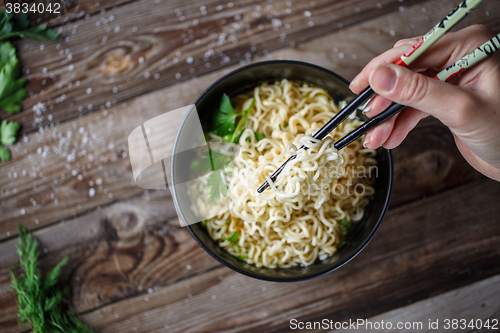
x=450, y=104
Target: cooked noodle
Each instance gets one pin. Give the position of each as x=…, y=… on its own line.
x=296, y=221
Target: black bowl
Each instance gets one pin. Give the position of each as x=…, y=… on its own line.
x=245, y=78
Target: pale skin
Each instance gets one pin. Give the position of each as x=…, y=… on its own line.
x=469, y=104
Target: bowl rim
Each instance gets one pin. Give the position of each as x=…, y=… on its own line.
x=249, y=273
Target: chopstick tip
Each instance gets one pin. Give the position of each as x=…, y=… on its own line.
x=263, y=187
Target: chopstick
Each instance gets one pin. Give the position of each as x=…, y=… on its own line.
x=420, y=47
x=476, y=56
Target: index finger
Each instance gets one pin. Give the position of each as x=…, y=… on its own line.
x=360, y=82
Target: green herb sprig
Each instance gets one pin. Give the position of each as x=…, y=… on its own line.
x=224, y=125
x=234, y=237
x=224, y=121
x=40, y=299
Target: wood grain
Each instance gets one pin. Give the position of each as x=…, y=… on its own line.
x=480, y=300
x=428, y=161
x=85, y=9
x=132, y=267
x=413, y=256
x=119, y=251
x=127, y=56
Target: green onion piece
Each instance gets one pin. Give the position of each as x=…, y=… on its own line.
x=242, y=258
x=234, y=237
x=345, y=225
x=259, y=136
x=237, y=137
x=204, y=223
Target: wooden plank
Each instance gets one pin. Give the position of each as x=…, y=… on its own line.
x=427, y=162
x=405, y=262
x=422, y=249
x=40, y=166
x=114, y=293
x=85, y=9
x=123, y=249
x=118, y=55
x=478, y=301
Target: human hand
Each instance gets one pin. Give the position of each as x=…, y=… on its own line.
x=468, y=104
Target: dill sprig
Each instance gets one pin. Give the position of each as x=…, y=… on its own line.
x=40, y=300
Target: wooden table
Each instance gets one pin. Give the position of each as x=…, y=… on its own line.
x=132, y=267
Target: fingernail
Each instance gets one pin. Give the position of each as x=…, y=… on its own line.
x=367, y=107
x=383, y=78
x=353, y=82
x=367, y=141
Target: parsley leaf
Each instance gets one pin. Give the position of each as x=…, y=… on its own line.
x=8, y=132
x=217, y=186
x=12, y=92
x=38, y=34
x=223, y=124
x=212, y=161
x=223, y=121
x=218, y=160
x=345, y=225
x=5, y=26
x=18, y=26
x=4, y=153
x=234, y=237
x=21, y=22
x=243, y=120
